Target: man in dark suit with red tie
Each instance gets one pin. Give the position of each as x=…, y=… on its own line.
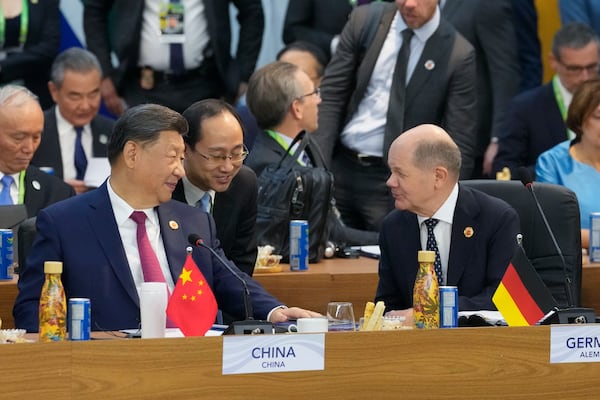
x=214, y=154
x=473, y=234
x=73, y=129
x=105, y=251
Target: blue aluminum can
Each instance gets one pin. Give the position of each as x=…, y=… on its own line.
x=80, y=315
x=6, y=254
x=298, y=245
x=594, y=237
x=448, y=307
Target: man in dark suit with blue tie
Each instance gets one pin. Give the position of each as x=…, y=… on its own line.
x=366, y=105
x=214, y=154
x=73, y=129
x=21, y=122
x=474, y=234
x=96, y=238
x=176, y=70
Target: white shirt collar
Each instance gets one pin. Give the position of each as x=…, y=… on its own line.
x=63, y=126
x=446, y=212
x=424, y=32
x=194, y=193
x=566, y=95
x=122, y=210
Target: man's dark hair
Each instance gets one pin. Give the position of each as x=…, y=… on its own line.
x=203, y=110
x=143, y=124
x=574, y=35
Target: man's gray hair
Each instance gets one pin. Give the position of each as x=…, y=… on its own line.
x=74, y=59
x=271, y=91
x=574, y=35
x=15, y=95
x=431, y=153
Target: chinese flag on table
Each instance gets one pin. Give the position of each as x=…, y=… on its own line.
x=192, y=306
x=522, y=297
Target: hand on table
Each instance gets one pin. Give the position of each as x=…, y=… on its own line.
x=285, y=314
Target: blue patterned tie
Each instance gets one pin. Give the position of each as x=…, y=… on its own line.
x=80, y=158
x=205, y=202
x=432, y=246
x=5, y=198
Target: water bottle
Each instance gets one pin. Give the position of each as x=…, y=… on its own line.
x=53, y=305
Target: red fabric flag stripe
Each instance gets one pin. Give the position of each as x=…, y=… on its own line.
x=521, y=296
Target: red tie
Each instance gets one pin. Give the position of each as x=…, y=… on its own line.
x=150, y=265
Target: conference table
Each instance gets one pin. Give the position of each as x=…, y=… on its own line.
x=494, y=363
x=338, y=279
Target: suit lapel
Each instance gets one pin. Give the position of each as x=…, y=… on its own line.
x=52, y=142
x=102, y=220
x=462, y=242
x=368, y=63
x=173, y=238
x=434, y=52
x=99, y=138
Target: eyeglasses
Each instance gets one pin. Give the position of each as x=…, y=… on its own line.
x=235, y=158
x=578, y=69
x=316, y=92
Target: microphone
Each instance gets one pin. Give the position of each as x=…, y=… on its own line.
x=571, y=314
x=248, y=325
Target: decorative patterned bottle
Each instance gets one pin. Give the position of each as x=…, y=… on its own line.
x=53, y=305
x=426, y=295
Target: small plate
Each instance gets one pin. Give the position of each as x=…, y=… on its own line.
x=12, y=335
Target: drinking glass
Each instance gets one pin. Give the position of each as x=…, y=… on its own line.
x=341, y=316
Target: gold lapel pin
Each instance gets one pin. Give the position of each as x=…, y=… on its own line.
x=468, y=232
x=173, y=225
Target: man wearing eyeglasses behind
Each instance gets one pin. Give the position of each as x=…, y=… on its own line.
x=535, y=121
x=214, y=153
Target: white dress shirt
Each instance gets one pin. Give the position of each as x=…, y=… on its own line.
x=154, y=53
x=442, y=231
x=365, y=131
x=128, y=231
x=193, y=193
x=66, y=139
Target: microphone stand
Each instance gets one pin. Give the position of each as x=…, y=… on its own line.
x=249, y=326
x=571, y=314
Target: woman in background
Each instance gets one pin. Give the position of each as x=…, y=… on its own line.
x=29, y=41
x=576, y=164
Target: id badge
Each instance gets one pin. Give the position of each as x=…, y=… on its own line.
x=171, y=22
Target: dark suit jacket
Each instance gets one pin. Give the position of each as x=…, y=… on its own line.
x=525, y=19
x=444, y=95
x=267, y=151
x=476, y=264
x=122, y=35
x=41, y=46
x=533, y=125
x=82, y=233
x=488, y=26
x=49, y=155
x=234, y=213
x=42, y=189
x=315, y=21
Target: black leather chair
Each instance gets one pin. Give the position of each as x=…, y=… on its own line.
x=25, y=236
x=561, y=208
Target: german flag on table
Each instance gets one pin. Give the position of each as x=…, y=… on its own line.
x=522, y=297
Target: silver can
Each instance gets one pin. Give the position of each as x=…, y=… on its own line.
x=448, y=307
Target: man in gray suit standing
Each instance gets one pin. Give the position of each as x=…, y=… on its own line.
x=365, y=106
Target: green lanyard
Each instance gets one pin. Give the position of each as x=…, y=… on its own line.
x=21, y=187
x=282, y=143
x=23, y=28
x=560, y=101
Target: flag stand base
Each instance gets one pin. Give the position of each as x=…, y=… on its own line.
x=575, y=315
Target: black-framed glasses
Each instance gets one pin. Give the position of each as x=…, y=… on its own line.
x=235, y=158
x=316, y=92
x=578, y=69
